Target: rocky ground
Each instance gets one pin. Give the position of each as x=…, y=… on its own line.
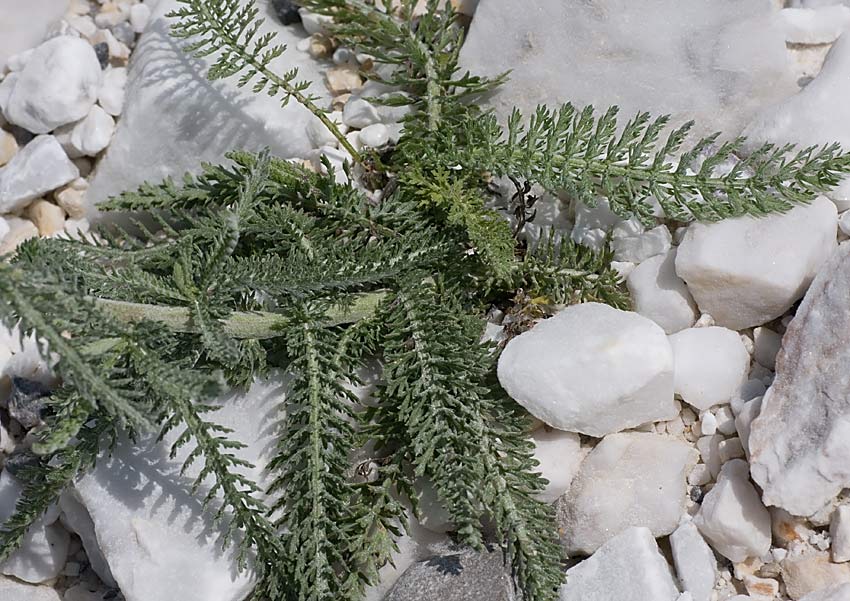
x=697, y=448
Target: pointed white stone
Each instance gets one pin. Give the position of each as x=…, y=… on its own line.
x=800, y=442
x=695, y=563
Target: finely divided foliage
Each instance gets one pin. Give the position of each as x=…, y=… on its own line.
x=260, y=264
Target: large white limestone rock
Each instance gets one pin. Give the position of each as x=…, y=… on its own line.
x=24, y=24
x=713, y=61
x=629, y=479
x=591, y=369
x=800, y=442
x=659, y=294
x=58, y=85
x=732, y=517
x=815, y=116
x=41, y=166
x=709, y=365
x=629, y=567
x=174, y=118
x=155, y=536
x=695, y=563
x=43, y=552
x=748, y=270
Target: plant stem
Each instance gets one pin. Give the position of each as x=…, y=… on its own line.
x=239, y=324
x=278, y=81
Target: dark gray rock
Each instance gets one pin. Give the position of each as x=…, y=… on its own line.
x=463, y=576
x=26, y=403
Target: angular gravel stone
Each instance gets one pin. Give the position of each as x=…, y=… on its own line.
x=800, y=442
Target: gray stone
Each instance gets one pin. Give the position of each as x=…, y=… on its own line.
x=462, y=576
x=714, y=61
x=800, y=442
x=174, y=118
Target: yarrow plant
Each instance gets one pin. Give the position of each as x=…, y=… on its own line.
x=261, y=264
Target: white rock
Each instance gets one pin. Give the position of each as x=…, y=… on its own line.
x=359, y=113
x=629, y=479
x=92, y=134
x=715, y=62
x=710, y=364
x=839, y=531
x=559, y=455
x=592, y=223
x=725, y=420
x=732, y=517
x=814, y=26
x=816, y=115
x=800, y=443
x=761, y=588
x=18, y=61
x=40, y=166
x=659, y=294
x=695, y=563
x=642, y=246
x=591, y=369
x=810, y=572
x=171, y=124
x=709, y=450
x=312, y=22
x=152, y=530
x=731, y=448
x=24, y=24
x=767, y=343
x=744, y=420
x=375, y=136
x=12, y=590
x=708, y=424
x=844, y=223
x=76, y=519
x=320, y=135
x=140, y=14
x=836, y=592
x=747, y=271
x=700, y=475
x=111, y=93
x=42, y=554
x=58, y=85
x=629, y=566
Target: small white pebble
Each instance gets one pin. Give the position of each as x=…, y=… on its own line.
x=139, y=16
x=675, y=427
x=688, y=416
x=708, y=424
x=730, y=449
x=844, y=222
x=725, y=420
x=778, y=554
x=761, y=588
x=839, y=530
x=748, y=344
x=374, y=136
x=705, y=321
x=699, y=475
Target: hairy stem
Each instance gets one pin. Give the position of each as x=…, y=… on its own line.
x=249, y=58
x=240, y=324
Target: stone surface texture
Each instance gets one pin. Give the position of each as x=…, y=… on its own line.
x=800, y=442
